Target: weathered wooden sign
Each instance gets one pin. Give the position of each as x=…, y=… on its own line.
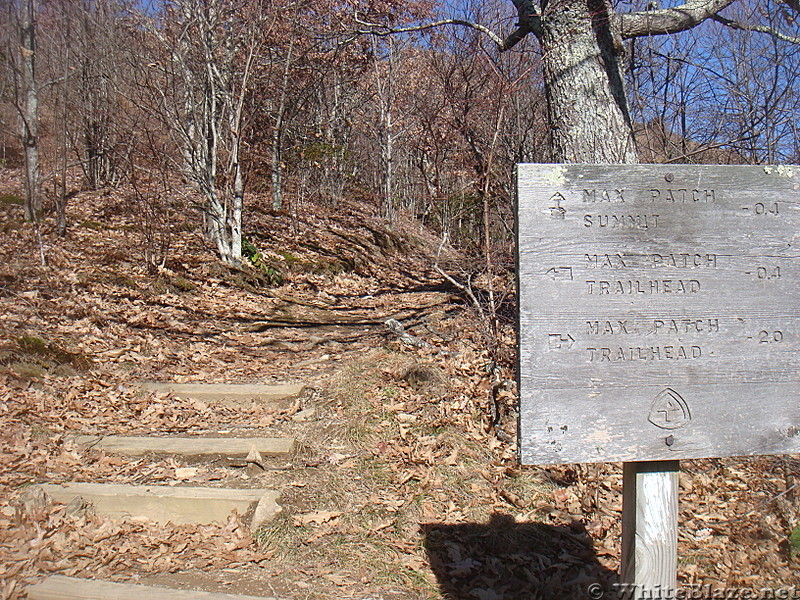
x=659, y=312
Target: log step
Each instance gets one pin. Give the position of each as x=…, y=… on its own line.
x=184, y=446
x=163, y=503
x=60, y=587
x=231, y=393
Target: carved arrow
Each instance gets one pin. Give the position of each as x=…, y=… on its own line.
x=560, y=273
x=560, y=341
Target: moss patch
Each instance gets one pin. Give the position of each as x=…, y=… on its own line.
x=168, y=284
x=31, y=351
x=11, y=199
x=91, y=225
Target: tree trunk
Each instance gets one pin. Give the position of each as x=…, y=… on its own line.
x=584, y=83
x=277, y=166
x=277, y=135
x=61, y=198
x=29, y=113
x=217, y=222
x=236, y=187
x=387, y=162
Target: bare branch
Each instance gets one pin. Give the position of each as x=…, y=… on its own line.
x=384, y=30
x=705, y=148
x=467, y=289
x=502, y=44
x=793, y=4
x=757, y=28
x=529, y=22
x=516, y=37
x=669, y=20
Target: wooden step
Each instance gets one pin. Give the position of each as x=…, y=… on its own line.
x=185, y=446
x=60, y=587
x=163, y=503
x=229, y=393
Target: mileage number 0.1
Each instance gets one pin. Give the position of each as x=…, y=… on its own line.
x=765, y=208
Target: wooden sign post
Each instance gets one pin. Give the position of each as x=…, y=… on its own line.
x=649, y=528
x=659, y=320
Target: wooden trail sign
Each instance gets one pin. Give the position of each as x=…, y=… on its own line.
x=659, y=312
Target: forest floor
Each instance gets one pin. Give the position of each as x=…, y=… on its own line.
x=401, y=487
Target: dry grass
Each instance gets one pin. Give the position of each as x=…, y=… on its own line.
x=386, y=465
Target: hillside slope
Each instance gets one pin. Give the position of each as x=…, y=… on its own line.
x=402, y=488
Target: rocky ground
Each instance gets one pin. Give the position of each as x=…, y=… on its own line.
x=405, y=484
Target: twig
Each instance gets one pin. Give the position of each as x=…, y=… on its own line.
x=466, y=289
x=384, y=30
x=757, y=28
x=768, y=500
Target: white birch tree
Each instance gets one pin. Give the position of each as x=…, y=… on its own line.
x=198, y=84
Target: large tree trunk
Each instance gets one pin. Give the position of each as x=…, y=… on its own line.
x=588, y=113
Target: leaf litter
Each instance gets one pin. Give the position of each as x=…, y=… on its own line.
x=400, y=487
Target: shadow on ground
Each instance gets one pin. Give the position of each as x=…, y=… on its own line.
x=506, y=560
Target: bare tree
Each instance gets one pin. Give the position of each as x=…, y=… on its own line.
x=19, y=54
x=63, y=109
x=198, y=81
x=278, y=130
x=98, y=143
x=728, y=97
x=582, y=50
x=389, y=120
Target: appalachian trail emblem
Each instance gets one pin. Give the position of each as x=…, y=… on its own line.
x=669, y=410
